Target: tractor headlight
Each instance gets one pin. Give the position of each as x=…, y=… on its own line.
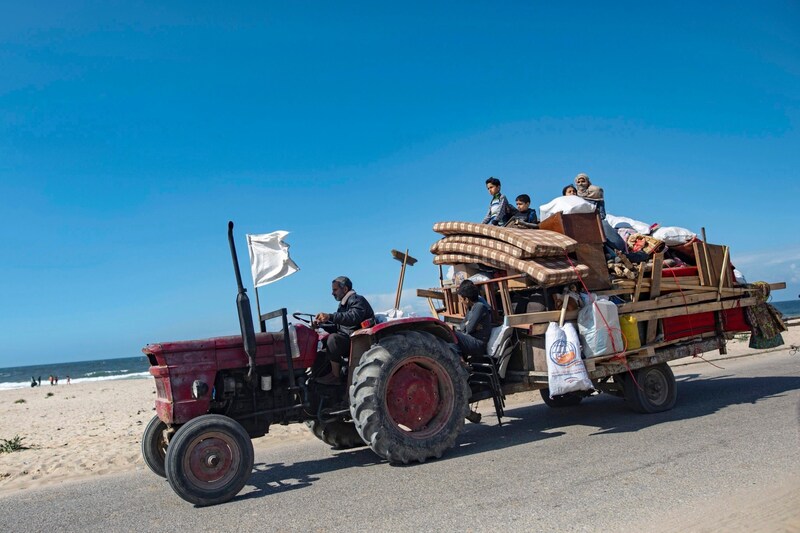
x=199, y=389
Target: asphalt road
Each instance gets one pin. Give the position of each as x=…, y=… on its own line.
x=726, y=455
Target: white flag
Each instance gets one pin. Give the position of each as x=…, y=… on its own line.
x=269, y=257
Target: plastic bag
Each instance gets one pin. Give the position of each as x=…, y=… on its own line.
x=625, y=222
x=673, y=235
x=594, y=330
x=565, y=369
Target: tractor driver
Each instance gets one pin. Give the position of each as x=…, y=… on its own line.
x=353, y=310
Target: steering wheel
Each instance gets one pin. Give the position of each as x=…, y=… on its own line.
x=299, y=316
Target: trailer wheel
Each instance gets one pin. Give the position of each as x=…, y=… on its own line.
x=209, y=460
x=656, y=390
x=570, y=399
x=409, y=397
x=154, y=446
x=338, y=434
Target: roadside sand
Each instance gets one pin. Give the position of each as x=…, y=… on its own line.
x=88, y=429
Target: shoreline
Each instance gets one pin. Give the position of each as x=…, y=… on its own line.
x=90, y=429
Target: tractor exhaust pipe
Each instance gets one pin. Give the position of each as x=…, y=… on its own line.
x=245, y=313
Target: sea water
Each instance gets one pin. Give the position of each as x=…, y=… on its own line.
x=78, y=372
x=789, y=309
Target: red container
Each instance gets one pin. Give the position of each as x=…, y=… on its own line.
x=677, y=327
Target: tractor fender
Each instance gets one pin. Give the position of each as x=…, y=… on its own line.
x=363, y=339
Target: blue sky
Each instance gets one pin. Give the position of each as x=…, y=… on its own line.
x=131, y=132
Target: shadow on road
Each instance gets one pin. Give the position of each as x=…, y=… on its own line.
x=530, y=423
x=697, y=397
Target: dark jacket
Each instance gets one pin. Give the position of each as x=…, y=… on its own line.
x=478, y=322
x=352, y=311
x=529, y=216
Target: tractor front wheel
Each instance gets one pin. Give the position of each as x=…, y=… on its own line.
x=409, y=397
x=209, y=460
x=154, y=446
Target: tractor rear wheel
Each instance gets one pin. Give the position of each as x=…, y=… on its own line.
x=209, y=460
x=338, y=434
x=409, y=397
x=154, y=446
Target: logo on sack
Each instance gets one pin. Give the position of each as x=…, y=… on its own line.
x=562, y=352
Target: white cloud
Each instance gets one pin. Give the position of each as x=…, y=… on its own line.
x=767, y=257
x=410, y=303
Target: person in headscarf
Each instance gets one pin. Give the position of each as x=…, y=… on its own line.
x=590, y=192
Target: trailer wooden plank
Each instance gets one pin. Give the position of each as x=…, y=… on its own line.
x=655, y=291
x=667, y=300
x=696, y=308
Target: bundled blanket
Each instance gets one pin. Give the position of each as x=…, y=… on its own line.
x=540, y=254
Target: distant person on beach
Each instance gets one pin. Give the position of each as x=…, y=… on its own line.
x=51, y=380
x=39, y=383
x=55, y=380
x=499, y=210
x=68, y=380
x=569, y=190
x=592, y=193
x=33, y=381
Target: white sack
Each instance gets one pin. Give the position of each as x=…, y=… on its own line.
x=269, y=258
x=673, y=235
x=388, y=316
x=566, y=205
x=625, y=222
x=565, y=369
x=595, y=336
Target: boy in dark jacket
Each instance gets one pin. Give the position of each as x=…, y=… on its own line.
x=524, y=213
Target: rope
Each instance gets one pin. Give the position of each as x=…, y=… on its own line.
x=619, y=356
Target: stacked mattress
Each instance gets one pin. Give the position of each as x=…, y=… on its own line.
x=540, y=254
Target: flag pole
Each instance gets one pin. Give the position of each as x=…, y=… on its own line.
x=262, y=323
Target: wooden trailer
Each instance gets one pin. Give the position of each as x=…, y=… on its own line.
x=680, y=312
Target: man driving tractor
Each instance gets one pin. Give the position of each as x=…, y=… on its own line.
x=352, y=311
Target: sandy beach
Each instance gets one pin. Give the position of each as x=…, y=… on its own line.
x=92, y=429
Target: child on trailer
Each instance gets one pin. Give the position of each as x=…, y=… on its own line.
x=524, y=214
x=499, y=210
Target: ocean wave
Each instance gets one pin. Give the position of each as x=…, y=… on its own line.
x=116, y=377
x=109, y=372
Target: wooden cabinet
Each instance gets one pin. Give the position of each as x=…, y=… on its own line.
x=585, y=228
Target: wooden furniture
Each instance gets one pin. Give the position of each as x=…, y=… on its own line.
x=587, y=229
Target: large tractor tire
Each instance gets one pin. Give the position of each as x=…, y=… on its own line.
x=209, y=460
x=154, y=446
x=409, y=397
x=338, y=434
x=654, y=390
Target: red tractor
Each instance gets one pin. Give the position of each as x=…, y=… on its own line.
x=406, y=397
